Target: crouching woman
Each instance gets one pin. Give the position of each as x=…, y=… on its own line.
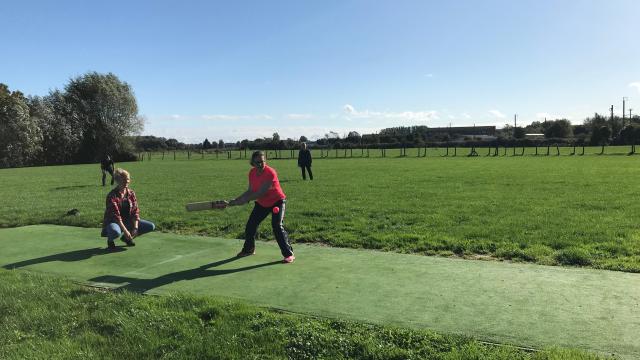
x=122, y=216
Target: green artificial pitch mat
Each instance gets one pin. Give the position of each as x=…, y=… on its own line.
x=519, y=304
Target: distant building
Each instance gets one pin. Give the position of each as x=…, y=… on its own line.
x=534, y=136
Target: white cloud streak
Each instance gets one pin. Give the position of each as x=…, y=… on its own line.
x=299, y=116
x=419, y=116
x=635, y=85
x=224, y=117
x=497, y=113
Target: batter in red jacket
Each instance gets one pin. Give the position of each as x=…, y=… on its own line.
x=264, y=188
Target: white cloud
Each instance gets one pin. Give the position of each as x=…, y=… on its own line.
x=299, y=116
x=428, y=75
x=225, y=117
x=215, y=117
x=635, y=85
x=466, y=116
x=497, y=113
x=349, y=109
x=352, y=113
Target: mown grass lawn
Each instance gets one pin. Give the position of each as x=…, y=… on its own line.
x=548, y=210
x=48, y=318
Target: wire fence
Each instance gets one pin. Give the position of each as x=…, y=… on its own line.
x=416, y=152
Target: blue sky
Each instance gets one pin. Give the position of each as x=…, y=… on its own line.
x=246, y=69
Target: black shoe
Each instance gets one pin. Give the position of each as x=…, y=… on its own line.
x=129, y=242
x=246, y=253
x=111, y=246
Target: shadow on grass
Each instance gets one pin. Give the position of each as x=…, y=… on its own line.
x=142, y=285
x=75, y=255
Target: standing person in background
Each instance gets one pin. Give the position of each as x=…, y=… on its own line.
x=264, y=188
x=122, y=216
x=106, y=165
x=304, y=161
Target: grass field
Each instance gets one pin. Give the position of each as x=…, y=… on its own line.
x=574, y=210
x=547, y=210
x=48, y=318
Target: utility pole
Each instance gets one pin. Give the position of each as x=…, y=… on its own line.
x=611, y=113
x=629, y=114
x=624, y=99
x=515, y=125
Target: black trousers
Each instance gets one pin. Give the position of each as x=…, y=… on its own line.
x=304, y=176
x=258, y=214
x=104, y=175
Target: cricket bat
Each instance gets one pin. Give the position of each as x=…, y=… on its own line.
x=206, y=205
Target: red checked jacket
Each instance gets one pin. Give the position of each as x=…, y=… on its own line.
x=112, y=213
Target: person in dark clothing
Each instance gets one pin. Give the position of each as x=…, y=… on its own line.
x=304, y=161
x=106, y=165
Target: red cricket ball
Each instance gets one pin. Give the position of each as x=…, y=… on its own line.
x=276, y=210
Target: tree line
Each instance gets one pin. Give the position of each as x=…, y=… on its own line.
x=597, y=131
x=95, y=114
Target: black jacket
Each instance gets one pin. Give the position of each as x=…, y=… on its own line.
x=304, y=158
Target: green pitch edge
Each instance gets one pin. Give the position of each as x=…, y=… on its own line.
x=520, y=304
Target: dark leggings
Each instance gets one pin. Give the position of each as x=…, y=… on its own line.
x=104, y=175
x=308, y=167
x=258, y=214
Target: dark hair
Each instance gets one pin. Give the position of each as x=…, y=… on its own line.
x=256, y=154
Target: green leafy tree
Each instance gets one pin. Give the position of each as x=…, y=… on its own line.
x=534, y=128
x=106, y=110
x=61, y=134
x=206, y=144
x=601, y=136
x=519, y=132
x=354, y=137
x=558, y=129
x=173, y=144
x=20, y=136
